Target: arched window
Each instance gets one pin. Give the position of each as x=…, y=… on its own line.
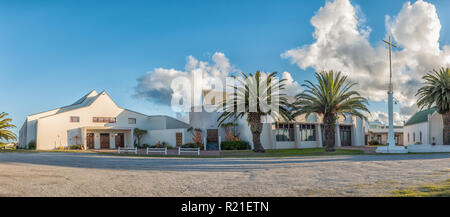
x=414, y=136
x=408, y=137
x=420, y=134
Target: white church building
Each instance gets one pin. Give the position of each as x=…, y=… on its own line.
x=424, y=127
x=300, y=133
x=97, y=122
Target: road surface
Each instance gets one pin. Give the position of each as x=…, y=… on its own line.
x=79, y=174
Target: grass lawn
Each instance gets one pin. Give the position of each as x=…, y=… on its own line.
x=290, y=153
x=250, y=154
x=18, y=150
x=37, y=151
x=431, y=190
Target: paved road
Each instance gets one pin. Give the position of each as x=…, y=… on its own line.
x=78, y=174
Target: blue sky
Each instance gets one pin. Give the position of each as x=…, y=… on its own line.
x=53, y=52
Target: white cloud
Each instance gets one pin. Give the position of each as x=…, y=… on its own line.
x=291, y=87
x=399, y=119
x=155, y=85
x=341, y=43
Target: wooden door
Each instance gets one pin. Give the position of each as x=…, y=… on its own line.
x=212, y=135
x=90, y=140
x=104, y=140
x=120, y=140
x=179, y=139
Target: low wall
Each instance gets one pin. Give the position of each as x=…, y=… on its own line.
x=417, y=148
x=167, y=135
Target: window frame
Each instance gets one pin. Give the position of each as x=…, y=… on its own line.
x=104, y=120
x=73, y=118
x=286, y=131
x=307, y=132
x=133, y=122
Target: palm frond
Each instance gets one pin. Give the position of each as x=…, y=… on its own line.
x=5, y=125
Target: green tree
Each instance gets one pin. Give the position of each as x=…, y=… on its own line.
x=5, y=125
x=331, y=98
x=251, y=97
x=139, y=133
x=436, y=92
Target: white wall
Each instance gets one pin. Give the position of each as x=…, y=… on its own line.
x=57, y=130
x=309, y=144
x=358, y=132
x=168, y=136
x=206, y=120
x=423, y=148
x=417, y=128
x=23, y=136
x=436, y=129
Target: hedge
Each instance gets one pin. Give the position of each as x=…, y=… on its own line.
x=76, y=147
x=193, y=145
x=235, y=145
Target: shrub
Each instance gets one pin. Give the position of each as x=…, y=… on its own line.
x=161, y=145
x=374, y=142
x=235, y=145
x=75, y=147
x=193, y=145
x=146, y=146
x=32, y=145
x=62, y=148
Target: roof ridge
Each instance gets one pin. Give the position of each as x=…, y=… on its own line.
x=420, y=116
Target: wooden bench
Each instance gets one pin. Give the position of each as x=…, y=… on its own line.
x=120, y=149
x=157, y=150
x=188, y=150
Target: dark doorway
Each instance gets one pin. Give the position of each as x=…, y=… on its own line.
x=90, y=140
x=120, y=140
x=346, y=135
x=104, y=140
x=397, y=139
x=212, y=139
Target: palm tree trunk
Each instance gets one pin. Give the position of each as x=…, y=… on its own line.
x=256, y=129
x=329, y=123
x=446, y=130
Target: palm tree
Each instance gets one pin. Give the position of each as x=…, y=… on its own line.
x=256, y=96
x=5, y=124
x=331, y=98
x=436, y=92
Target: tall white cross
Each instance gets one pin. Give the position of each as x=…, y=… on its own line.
x=391, y=139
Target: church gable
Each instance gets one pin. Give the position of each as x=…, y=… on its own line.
x=104, y=102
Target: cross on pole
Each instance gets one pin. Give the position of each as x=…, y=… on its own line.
x=390, y=61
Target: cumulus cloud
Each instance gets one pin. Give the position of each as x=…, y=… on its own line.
x=399, y=119
x=342, y=43
x=291, y=87
x=155, y=85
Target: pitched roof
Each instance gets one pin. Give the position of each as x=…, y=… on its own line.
x=84, y=101
x=420, y=117
x=90, y=94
